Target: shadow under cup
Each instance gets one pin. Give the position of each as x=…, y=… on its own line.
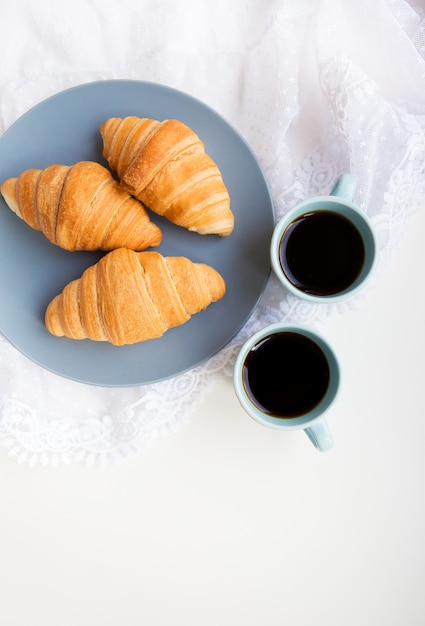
x=310, y=420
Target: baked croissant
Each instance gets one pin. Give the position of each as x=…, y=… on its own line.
x=128, y=297
x=80, y=207
x=165, y=166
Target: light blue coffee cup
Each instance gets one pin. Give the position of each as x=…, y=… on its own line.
x=313, y=422
x=339, y=201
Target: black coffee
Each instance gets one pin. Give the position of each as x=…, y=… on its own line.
x=322, y=253
x=286, y=375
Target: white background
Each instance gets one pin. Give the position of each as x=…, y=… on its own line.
x=229, y=523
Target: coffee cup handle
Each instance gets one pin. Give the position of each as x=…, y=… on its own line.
x=320, y=435
x=345, y=187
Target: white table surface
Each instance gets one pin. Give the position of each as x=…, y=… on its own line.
x=229, y=523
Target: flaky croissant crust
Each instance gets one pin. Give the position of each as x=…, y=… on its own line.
x=129, y=297
x=164, y=165
x=80, y=207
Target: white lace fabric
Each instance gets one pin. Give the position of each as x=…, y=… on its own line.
x=316, y=87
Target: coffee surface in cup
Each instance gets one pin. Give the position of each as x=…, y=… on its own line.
x=322, y=253
x=286, y=374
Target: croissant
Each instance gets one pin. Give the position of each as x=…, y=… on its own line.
x=128, y=297
x=80, y=207
x=165, y=166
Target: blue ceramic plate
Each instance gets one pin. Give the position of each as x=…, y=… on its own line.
x=65, y=129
